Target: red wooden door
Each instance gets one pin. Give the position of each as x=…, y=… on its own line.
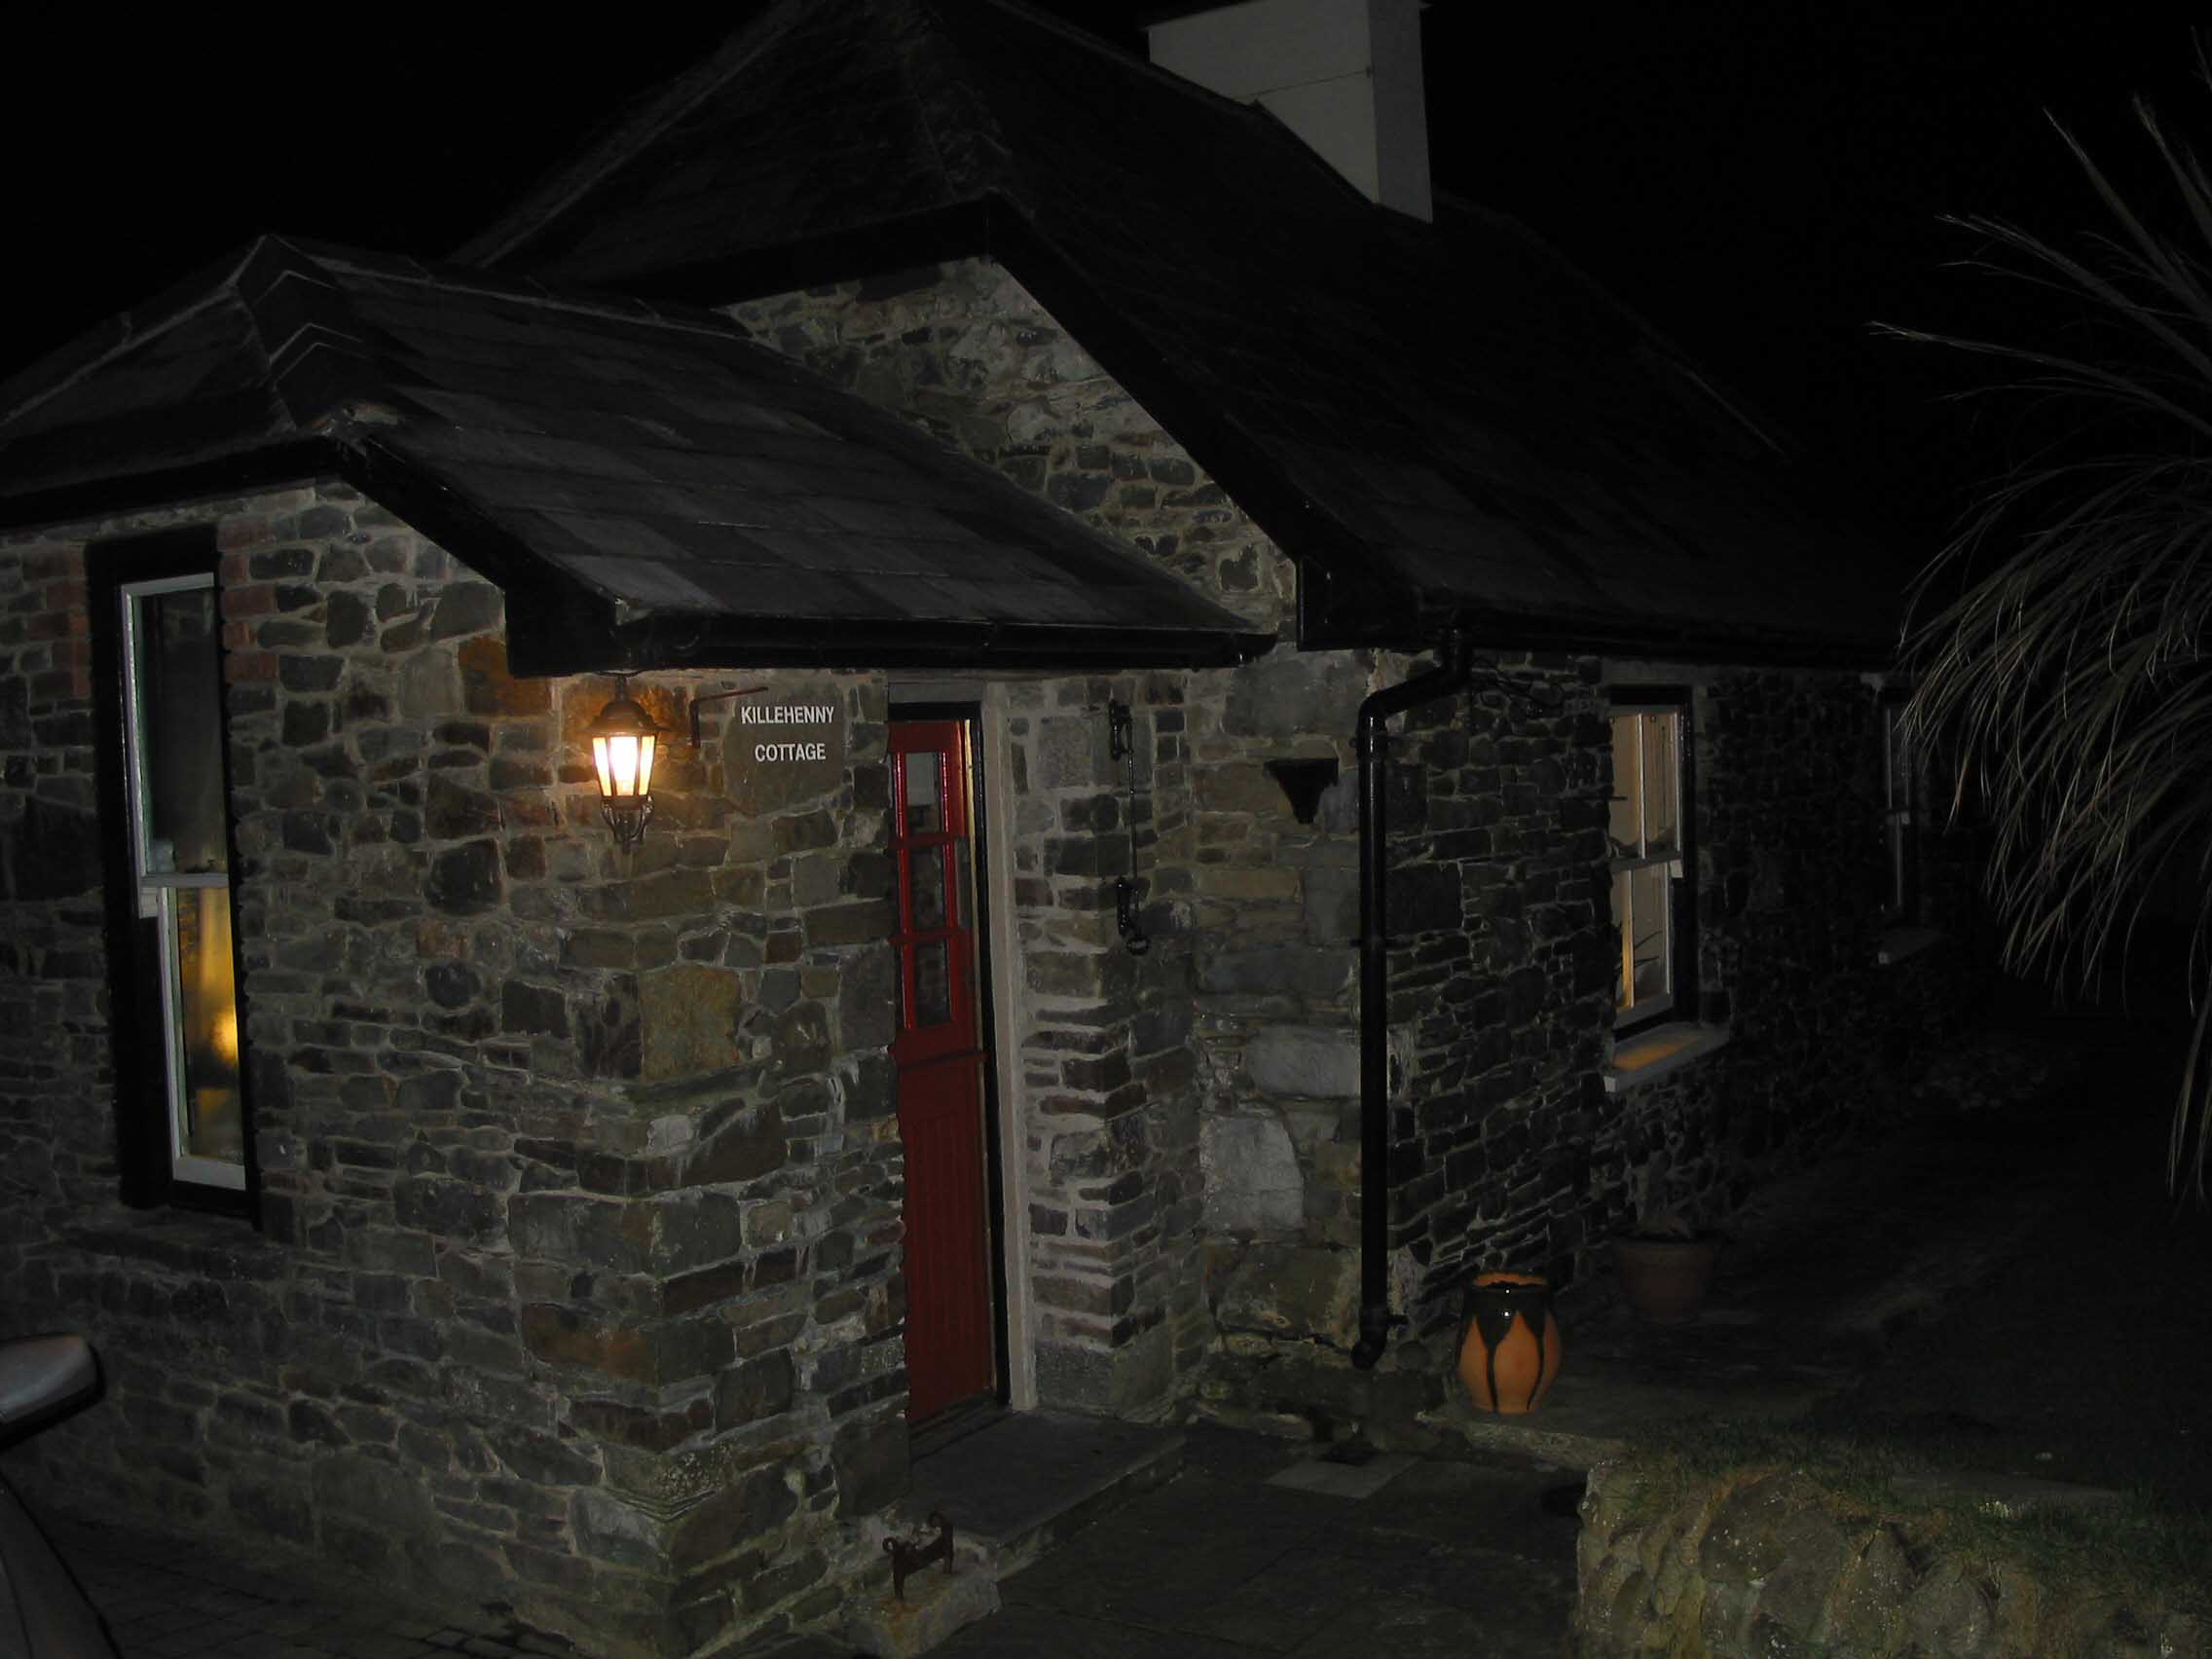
x=950, y=1339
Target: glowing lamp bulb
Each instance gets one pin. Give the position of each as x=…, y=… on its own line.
x=624, y=740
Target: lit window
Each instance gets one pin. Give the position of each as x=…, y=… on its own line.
x=173, y=766
x=158, y=651
x=1645, y=830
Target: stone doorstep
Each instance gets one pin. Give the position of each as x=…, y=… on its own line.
x=1012, y=1489
x=1033, y=1480
x=937, y=1606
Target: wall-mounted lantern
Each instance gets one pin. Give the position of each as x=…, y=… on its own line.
x=622, y=742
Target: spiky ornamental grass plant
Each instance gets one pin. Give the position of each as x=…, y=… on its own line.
x=2070, y=679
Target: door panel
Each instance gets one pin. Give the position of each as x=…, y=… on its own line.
x=950, y=1325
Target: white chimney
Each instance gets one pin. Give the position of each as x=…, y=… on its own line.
x=1345, y=75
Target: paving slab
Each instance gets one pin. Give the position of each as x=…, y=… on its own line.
x=1334, y=1479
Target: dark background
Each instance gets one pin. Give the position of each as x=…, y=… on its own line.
x=1757, y=180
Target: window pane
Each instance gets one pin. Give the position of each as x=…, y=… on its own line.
x=1662, y=785
x=179, y=693
x=924, y=807
x=1649, y=944
x=1624, y=974
x=929, y=888
x=208, y=1020
x=1627, y=808
x=933, y=984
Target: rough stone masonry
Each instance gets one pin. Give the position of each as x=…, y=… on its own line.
x=577, y=1283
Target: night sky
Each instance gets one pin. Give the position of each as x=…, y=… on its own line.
x=1757, y=180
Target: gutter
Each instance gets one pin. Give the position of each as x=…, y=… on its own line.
x=1452, y=673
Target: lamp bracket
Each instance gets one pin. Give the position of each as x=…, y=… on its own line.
x=628, y=820
x=715, y=697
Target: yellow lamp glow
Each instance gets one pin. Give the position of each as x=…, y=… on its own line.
x=624, y=740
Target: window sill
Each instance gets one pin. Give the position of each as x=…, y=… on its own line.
x=1661, y=1052
x=1898, y=943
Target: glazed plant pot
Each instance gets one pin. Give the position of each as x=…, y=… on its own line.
x=1510, y=1354
x=1666, y=1279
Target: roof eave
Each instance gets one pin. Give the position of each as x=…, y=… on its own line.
x=264, y=467
x=538, y=599
x=1421, y=627
x=681, y=640
x=559, y=627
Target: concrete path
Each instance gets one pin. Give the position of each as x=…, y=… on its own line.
x=1259, y=1547
x=1262, y=1547
x=165, y=1599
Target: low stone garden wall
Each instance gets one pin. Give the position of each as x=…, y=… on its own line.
x=1772, y=1562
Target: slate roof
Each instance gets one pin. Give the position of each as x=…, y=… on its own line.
x=1438, y=422
x=651, y=490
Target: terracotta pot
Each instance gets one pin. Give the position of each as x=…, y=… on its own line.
x=1510, y=1354
x=1665, y=1279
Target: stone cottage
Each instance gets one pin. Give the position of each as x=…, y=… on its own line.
x=1079, y=953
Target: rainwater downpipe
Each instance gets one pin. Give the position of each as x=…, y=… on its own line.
x=1452, y=673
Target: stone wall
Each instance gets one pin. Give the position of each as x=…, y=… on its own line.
x=576, y=1284
x=1765, y=1562
x=1122, y=1084
x=1243, y=1018
x=966, y=352
x=1104, y=1068
x=1792, y=877
x=1495, y=1026
x=1507, y=1151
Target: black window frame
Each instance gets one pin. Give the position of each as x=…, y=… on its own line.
x=135, y=1010
x=1683, y=1004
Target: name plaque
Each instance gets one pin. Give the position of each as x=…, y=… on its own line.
x=789, y=714
x=788, y=749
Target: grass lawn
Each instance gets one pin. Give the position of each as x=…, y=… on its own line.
x=2083, y=1355
x=2088, y=1355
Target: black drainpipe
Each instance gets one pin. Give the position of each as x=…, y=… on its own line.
x=1451, y=673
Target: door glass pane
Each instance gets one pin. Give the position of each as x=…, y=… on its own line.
x=1649, y=944
x=933, y=984
x=929, y=888
x=207, y=1012
x=179, y=694
x=1622, y=825
x=924, y=805
x=1662, y=785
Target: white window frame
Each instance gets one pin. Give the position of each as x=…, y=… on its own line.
x=1636, y=1013
x=157, y=890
